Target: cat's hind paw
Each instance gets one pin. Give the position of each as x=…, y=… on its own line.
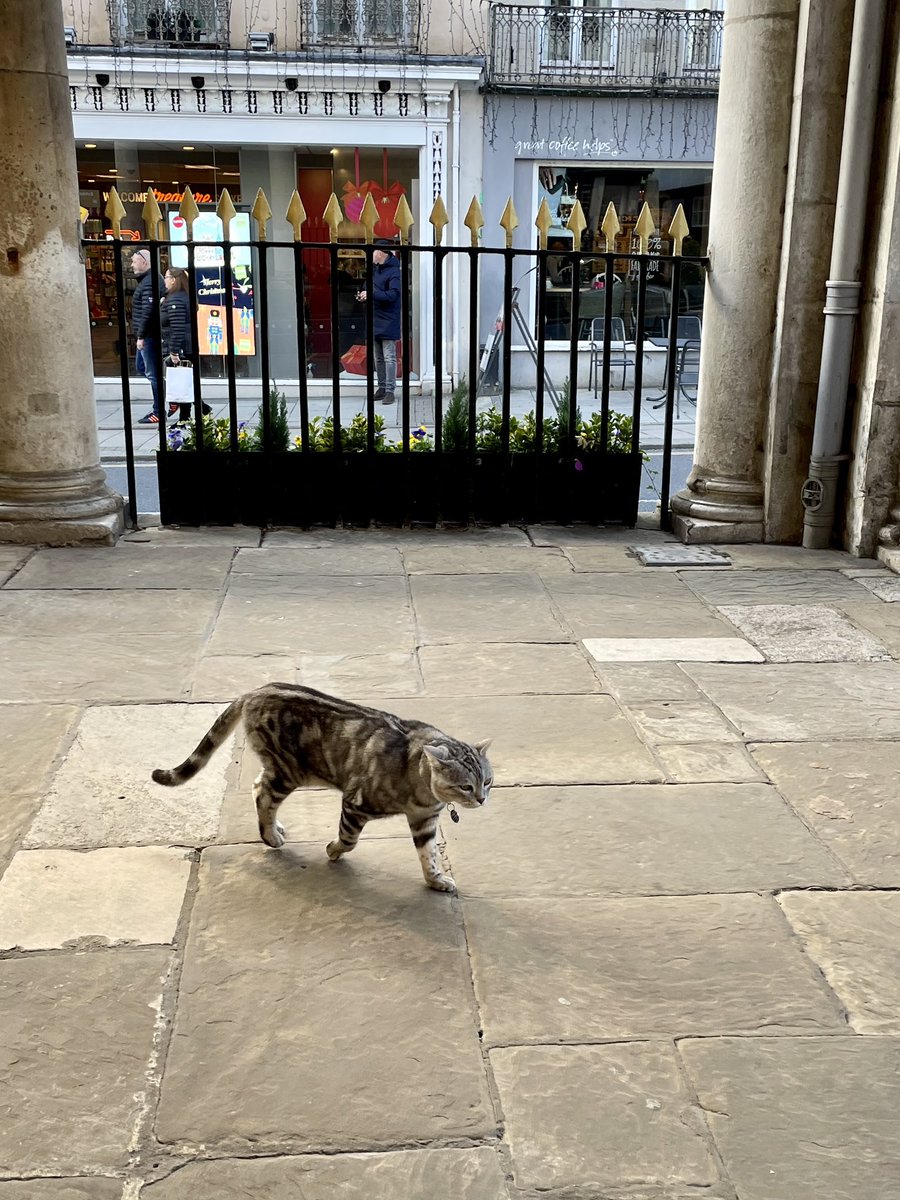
x=442, y=883
x=334, y=850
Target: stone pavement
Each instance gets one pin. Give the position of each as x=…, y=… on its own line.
x=673, y=969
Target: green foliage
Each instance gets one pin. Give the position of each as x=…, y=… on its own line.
x=216, y=435
x=562, y=409
x=278, y=422
x=455, y=427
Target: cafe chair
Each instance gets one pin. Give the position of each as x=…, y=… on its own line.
x=619, y=353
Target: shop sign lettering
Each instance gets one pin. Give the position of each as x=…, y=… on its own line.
x=568, y=147
x=166, y=197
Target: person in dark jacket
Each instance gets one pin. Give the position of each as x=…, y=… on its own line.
x=385, y=318
x=175, y=328
x=143, y=325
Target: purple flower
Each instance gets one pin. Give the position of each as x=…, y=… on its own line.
x=579, y=466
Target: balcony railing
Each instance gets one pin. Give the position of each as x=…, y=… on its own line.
x=170, y=22
x=582, y=49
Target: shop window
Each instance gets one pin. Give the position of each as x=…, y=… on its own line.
x=362, y=22
x=170, y=22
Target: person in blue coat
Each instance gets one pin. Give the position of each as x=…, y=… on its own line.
x=385, y=318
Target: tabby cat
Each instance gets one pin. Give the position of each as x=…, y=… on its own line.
x=384, y=765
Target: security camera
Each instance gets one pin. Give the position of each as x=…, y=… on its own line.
x=198, y=82
x=291, y=84
x=384, y=85
x=102, y=79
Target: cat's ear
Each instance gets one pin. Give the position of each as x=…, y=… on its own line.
x=437, y=753
x=482, y=747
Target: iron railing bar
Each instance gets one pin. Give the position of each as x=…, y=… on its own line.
x=506, y=344
x=302, y=360
x=609, y=287
x=126, y=381
x=228, y=279
x=639, y=353
x=438, y=342
x=405, y=328
x=335, y=350
x=370, y=351
x=671, y=368
x=264, y=346
x=541, y=352
x=157, y=351
x=474, y=356
x=195, y=343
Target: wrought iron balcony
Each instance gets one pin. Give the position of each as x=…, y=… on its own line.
x=170, y=22
x=587, y=49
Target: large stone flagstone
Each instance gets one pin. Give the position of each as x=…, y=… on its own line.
x=492, y=560
x=802, y=1118
x=323, y=1006
x=773, y=586
x=803, y=633
x=544, y=739
x=855, y=939
x=483, y=608
x=473, y=1174
x=337, y=614
x=126, y=614
x=505, y=669
x=671, y=649
x=126, y=567
x=76, y=1033
x=62, y=1189
x=880, y=619
x=707, y=762
x=359, y=558
x=681, y=721
x=103, y=795
x=51, y=899
x=849, y=792
x=804, y=702
x=31, y=737
x=11, y=559
x=634, y=605
x=575, y=969
x=636, y=682
x=634, y=841
x=600, y=1116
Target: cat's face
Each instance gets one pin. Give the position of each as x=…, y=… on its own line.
x=463, y=778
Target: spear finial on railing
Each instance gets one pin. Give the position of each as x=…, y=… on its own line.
x=439, y=219
x=611, y=227
x=368, y=218
x=474, y=220
x=644, y=227
x=577, y=224
x=404, y=220
x=226, y=212
x=332, y=216
x=262, y=213
x=189, y=210
x=296, y=214
x=152, y=217
x=543, y=221
x=509, y=221
x=115, y=210
x=678, y=230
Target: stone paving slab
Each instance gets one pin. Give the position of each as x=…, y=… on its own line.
x=595, y=536
x=880, y=619
x=591, y=1117
x=483, y=608
x=707, y=762
x=883, y=584
x=471, y=1174
x=62, y=1189
x=681, y=721
x=59, y=899
x=126, y=567
x=641, y=840
x=476, y=535
x=805, y=702
x=796, y=558
x=31, y=738
x=305, y=614
x=11, y=559
x=492, y=560
x=375, y=675
x=222, y=677
x=543, y=739
x=363, y=976
x=585, y=969
x=60, y=615
x=76, y=1034
x=849, y=792
x=773, y=586
x=804, y=633
x=802, y=1118
x=506, y=669
x=855, y=939
x=103, y=795
x=671, y=649
x=637, y=682
x=356, y=558
x=615, y=557
x=675, y=554
x=203, y=535
x=633, y=605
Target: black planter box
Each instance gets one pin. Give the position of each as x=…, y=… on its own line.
x=292, y=488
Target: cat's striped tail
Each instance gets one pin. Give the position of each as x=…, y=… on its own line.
x=204, y=751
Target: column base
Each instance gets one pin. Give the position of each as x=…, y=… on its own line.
x=710, y=511
x=60, y=508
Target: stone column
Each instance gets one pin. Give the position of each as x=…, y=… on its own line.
x=723, y=499
x=52, y=489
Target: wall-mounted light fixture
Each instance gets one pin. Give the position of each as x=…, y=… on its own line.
x=71, y=36
x=384, y=85
x=261, y=41
x=102, y=79
x=198, y=82
x=292, y=84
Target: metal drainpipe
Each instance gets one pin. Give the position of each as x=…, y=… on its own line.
x=819, y=492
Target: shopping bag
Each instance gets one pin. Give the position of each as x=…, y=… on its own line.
x=179, y=384
x=355, y=360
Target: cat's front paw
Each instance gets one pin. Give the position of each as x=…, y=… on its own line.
x=334, y=850
x=442, y=883
x=273, y=837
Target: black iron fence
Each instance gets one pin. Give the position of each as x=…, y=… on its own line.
x=652, y=51
x=492, y=447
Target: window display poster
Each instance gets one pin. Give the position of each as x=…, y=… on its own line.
x=209, y=275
